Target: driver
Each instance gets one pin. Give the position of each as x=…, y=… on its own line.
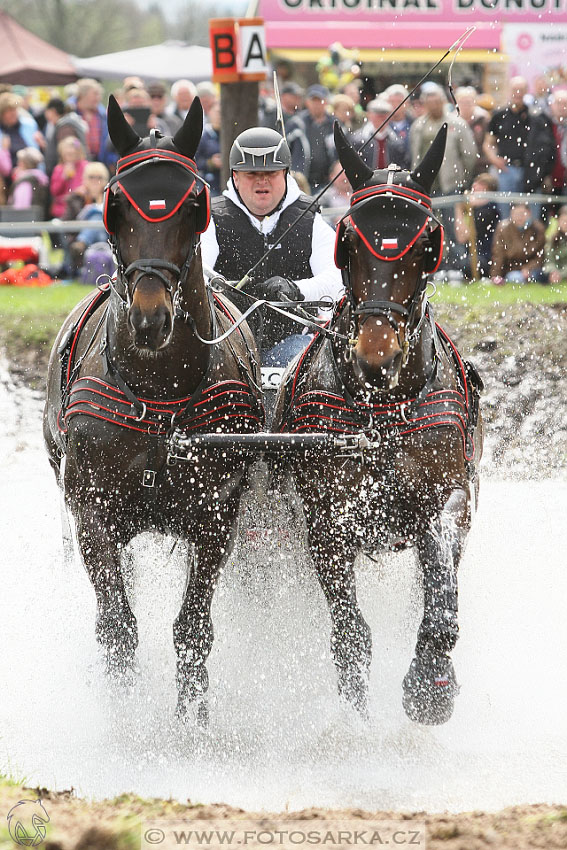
x=260, y=202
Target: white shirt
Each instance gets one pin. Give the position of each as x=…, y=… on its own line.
x=326, y=280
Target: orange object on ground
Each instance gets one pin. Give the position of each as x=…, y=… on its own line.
x=30, y=275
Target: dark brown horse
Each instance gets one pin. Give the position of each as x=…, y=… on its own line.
x=395, y=379
x=130, y=364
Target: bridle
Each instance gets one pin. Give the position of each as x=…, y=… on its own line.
x=413, y=312
x=172, y=276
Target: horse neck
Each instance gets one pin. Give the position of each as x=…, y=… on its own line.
x=179, y=368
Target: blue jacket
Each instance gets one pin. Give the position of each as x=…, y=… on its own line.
x=209, y=144
x=28, y=127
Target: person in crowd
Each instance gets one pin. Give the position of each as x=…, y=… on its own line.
x=89, y=107
x=558, y=112
x=459, y=161
x=137, y=110
x=518, y=247
x=353, y=89
x=460, y=152
x=284, y=70
x=291, y=97
x=342, y=108
x=208, y=155
x=182, y=95
x=29, y=182
x=402, y=120
x=160, y=119
x=477, y=118
x=385, y=148
x=18, y=129
x=337, y=197
x=208, y=95
x=85, y=204
x=60, y=122
x=555, y=253
x=476, y=220
x=301, y=181
x=67, y=175
x=317, y=125
x=6, y=169
x=540, y=99
x=519, y=145
x=260, y=202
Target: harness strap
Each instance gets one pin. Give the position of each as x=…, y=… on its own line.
x=373, y=308
x=111, y=370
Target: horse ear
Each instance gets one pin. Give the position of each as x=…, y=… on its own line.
x=123, y=137
x=427, y=170
x=188, y=136
x=355, y=168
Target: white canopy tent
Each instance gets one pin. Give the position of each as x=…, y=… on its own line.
x=172, y=60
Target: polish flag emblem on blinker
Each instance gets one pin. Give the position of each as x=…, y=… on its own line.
x=157, y=205
x=389, y=244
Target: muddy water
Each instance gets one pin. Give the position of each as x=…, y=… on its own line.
x=278, y=736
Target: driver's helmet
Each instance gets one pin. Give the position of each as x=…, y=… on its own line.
x=259, y=149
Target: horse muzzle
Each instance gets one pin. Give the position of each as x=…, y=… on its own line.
x=378, y=355
x=150, y=331
x=379, y=376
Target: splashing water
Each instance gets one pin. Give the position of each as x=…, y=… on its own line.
x=278, y=735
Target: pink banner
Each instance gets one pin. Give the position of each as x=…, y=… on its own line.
x=412, y=11
x=398, y=24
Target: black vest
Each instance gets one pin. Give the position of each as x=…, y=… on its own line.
x=241, y=245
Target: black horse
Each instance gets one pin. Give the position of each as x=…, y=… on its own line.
x=393, y=378
x=130, y=365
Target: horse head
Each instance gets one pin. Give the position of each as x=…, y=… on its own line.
x=386, y=245
x=154, y=207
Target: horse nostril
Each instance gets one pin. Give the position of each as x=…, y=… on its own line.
x=150, y=330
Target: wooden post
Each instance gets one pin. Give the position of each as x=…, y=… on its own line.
x=239, y=111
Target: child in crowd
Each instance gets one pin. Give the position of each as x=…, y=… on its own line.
x=29, y=182
x=85, y=204
x=475, y=225
x=67, y=174
x=555, y=258
x=517, y=250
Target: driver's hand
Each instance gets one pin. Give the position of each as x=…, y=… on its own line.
x=280, y=289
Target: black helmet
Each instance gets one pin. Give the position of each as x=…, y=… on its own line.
x=259, y=149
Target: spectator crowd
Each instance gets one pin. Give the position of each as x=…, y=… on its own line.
x=58, y=160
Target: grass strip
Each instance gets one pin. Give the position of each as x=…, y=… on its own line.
x=32, y=317
x=486, y=294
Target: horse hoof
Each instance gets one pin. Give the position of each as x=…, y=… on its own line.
x=193, y=713
x=121, y=668
x=353, y=689
x=203, y=714
x=430, y=687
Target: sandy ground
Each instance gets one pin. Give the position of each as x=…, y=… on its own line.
x=119, y=824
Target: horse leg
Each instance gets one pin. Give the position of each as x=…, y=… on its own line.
x=351, y=639
x=193, y=627
x=116, y=628
x=430, y=686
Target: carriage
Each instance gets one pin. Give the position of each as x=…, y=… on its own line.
x=155, y=414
